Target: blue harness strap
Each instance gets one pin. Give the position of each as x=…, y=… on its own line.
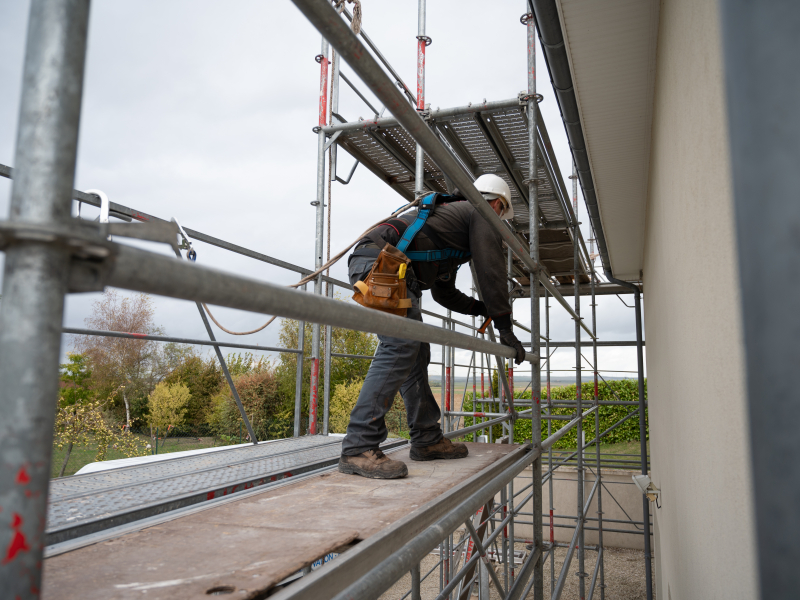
x=435, y=255
x=426, y=209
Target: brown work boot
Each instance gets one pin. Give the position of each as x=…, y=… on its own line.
x=374, y=464
x=444, y=448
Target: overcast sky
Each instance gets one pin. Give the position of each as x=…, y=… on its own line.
x=203, y=111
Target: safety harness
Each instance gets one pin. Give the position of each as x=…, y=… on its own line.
x=427, y=206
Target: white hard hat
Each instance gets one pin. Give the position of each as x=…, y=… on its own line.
x=493, y=187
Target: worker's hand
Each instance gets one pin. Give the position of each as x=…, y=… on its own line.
x=478, y=309
x=507, y=338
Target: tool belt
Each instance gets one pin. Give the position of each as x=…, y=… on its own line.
x=385, y=287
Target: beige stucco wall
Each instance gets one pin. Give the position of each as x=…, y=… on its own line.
x=622, y=501
x=699, y=444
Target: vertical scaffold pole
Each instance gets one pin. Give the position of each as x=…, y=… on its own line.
x=35, y=282
x=327, y=382
x=318, y=242
x=533, y=277
x=760, y=50
x=643, y=443
x=416, y=583
x=448, y=374
x=443, y=386
x=298, y=384
x=332, y=158
x=550, y=449
x=419, y=176
x=597, y=442
x=578, y=397
x=510, y=557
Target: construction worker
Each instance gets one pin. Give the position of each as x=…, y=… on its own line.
x=443, y=234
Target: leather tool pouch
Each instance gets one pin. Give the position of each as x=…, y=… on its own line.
x=385, y=286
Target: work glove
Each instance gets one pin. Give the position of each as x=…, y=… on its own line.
x=507, y=338
x=478, y=309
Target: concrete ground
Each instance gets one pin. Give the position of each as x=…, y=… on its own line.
x=624, y=576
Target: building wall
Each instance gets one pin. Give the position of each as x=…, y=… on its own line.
x=698, y=427
x=622, y=501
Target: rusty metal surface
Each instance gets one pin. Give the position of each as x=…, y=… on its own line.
x=254, y=543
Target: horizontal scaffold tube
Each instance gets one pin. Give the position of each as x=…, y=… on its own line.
x=328, y=22
x=144, y=271
x=438, y=113
x=526, y=414
x=164, y=338
x=461, y=432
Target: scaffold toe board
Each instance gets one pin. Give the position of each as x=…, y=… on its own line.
x=488, y=137
x=85, y=504
x=248, y=546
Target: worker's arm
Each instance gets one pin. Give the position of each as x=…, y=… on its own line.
x=490, y=265
x=446, y=294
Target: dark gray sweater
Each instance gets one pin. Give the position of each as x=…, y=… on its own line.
x=457, y=225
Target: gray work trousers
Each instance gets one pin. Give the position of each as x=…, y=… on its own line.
x=399, y=365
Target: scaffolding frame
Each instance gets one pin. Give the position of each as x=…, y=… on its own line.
x=49, y=254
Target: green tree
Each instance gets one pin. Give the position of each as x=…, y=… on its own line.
x=167, y=404
x=343, y=370
x=76, y=379
x=133, y=366
x=82, y=423
x=269, y=412
x=204, y=379
x=246, y=363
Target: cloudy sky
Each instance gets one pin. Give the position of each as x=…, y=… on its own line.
x=203, y=111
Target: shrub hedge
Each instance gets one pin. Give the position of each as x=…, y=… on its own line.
x=623, y=389
x=343, y=400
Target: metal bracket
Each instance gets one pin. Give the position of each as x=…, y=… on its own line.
x=349, y=177
x=525, y=19
x=332, y=140
x=524, y=97
x=424, y=38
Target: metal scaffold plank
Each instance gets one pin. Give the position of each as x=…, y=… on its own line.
x=485, y=138
x=252, y=544
x=86, y=504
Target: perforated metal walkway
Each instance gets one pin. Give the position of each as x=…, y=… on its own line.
x=85, y=504
x=491, y=137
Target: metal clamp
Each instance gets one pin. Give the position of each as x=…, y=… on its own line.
x=319, y=58
x=535, y=181
x=525, y=19
x=524, y=98
x=85, y=239
x=424, y=38
x=316, y=129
